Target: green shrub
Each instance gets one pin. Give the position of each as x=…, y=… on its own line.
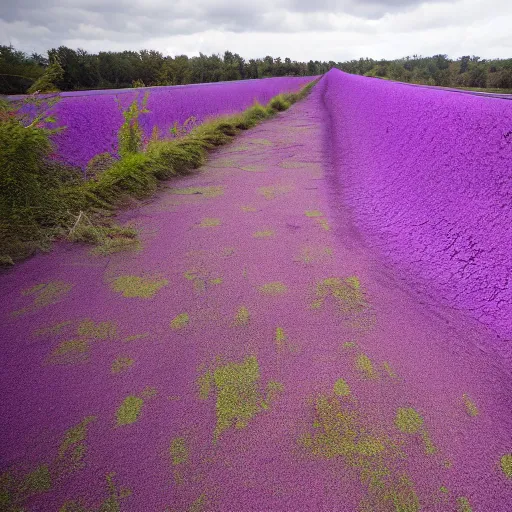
x=130, y=176
x=278, y=104
x=130, y=133
x=41, y=199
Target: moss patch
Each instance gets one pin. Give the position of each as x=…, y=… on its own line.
x=463, y=505
x=280, y=338
x=471, y=407
x=409, y=421
x=97, y=331
x=341, y=388
x=266, y=233
x=242, y=317
x=180, y=321
x=238, y=395
x=209, y=223
x=272, y=191
x=129, y=411
x=506, y=465
x=275, y=288
x=365, y=367
x=134, y=286
x=121, y=364
x=338, y=432
x=178, y=450
x=45, y=294
x=346, y=293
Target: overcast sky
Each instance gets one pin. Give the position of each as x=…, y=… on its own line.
x=299, y=29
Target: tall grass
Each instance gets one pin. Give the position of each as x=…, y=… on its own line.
x=40, y=200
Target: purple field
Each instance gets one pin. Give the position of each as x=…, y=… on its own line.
x=93, y=118
x=428, y=176
x=318, y=319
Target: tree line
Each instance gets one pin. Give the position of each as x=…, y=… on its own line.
x=66, y=69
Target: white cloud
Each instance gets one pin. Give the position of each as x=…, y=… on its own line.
x=299, y=29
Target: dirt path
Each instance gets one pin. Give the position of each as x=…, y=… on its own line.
x=252, y=355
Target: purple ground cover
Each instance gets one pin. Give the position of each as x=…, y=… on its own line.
x=253, y=354
x=428, y=174
x=92, y=118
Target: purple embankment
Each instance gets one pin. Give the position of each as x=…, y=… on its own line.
x=255, y=354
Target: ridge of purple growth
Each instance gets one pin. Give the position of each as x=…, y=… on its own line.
x=428, y=176
x=92, y=118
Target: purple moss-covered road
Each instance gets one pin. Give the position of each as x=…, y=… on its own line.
x=253, y=355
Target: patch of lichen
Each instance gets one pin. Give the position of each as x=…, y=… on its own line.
x=237, y=390
x=265, y=233
x=52, y=329
x=387, y=367
x=463, y=505
x=506, y=464
x=180, y=321
x=77, y=350
x=134, y=286
x=209, y=223
x=72, y=448
x=339, y=432
x=313, y=254
x=129, y=411
x=341, y=388
x=365, y=366
x=242, y=317
x=121, y=364
x=275, y=288
x=135, y=337
x=262, y=142
x=207, y=192
x=253, y=168
x=323, y=223
x=248, y=209
x=205, y=382
x=44, y=294
x=201, y=278
x=98, y=331
x=409, y=421
x=313, y=213
x=272, y=191
x=292, y=164
x=178, y=451
x=346, y=292
x=238, y=398
x=111, y=504
x=16, y=489
x=280, y=338
x=199, y=505
x=471, y=407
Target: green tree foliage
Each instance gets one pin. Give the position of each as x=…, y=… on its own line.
x=47, y=82
x=18, y=71
x=83, y=70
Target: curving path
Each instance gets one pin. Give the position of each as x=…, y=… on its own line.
x=252, y=355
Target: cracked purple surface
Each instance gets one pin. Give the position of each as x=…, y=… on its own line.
x=264, y=209
x=429, y=175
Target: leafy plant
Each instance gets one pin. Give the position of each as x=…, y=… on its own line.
x=130, y=134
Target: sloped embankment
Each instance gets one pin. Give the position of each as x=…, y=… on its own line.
x=428, y=176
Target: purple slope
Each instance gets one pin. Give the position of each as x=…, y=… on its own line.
x=336, y=388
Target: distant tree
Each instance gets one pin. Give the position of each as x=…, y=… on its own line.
x=49, y=80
